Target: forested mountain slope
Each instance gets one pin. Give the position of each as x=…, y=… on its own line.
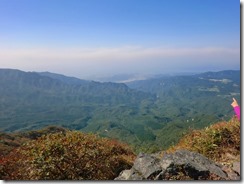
x=36, y=96
x=150, y=114
x=208, y=93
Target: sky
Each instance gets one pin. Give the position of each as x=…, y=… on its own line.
x=87, y=38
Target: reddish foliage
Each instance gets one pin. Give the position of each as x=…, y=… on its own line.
x=70, y=155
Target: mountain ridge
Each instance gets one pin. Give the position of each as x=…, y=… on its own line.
x=146, y=114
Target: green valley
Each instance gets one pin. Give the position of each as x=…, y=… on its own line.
x=150, y=114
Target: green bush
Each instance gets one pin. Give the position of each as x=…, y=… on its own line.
x=67, y=156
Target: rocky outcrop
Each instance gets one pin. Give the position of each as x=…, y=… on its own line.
x=182, y=165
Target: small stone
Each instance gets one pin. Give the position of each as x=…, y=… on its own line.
x=236, y=167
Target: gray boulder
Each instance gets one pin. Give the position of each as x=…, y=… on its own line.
x=145, y=167
x=182, y=165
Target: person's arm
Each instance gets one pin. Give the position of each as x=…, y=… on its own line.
x=237, y=111
x=236, y=108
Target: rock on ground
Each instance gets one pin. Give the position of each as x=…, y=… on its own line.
x=181, y=165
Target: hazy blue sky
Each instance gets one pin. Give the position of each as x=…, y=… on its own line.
x=98, y=37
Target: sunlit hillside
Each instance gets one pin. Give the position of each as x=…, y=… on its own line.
x=219, y=142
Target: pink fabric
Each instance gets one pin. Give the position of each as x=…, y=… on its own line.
x=237, y=111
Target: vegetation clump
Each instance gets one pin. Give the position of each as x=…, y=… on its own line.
x=69, y=155
x=220, y=142
x=10, y=141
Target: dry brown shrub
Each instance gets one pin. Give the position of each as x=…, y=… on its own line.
x=67, y=156
x=213, y=141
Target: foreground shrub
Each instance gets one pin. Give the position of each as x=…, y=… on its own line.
x=67, y=156
x=214, y=141
x=10, y=141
